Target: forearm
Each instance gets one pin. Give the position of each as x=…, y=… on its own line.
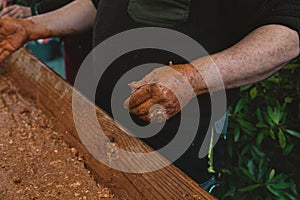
x=260, y=54
x=73, y=18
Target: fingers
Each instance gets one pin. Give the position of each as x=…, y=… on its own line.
x=135, y=85
x=6, y=11
x=153, y=103
x=145, y=118
x=3, y=4
x=142, y=109
x=12, y=11
x=18, y=14
x=138, y=97
x=150, y=112
x=4, y=55
x=5, y=50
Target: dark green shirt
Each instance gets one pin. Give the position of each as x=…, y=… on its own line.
x=238, y=14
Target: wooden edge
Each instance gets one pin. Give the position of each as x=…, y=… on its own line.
x=54, y=95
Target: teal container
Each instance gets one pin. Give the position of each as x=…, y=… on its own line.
x=45, y=49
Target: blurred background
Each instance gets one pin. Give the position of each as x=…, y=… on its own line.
x=51, y=52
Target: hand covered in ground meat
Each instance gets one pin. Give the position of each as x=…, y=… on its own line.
x=13, y=35
x=164, y=92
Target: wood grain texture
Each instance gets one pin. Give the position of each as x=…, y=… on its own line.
x=54, y=95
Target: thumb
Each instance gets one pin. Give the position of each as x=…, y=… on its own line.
x=4, y=12
x=126, y=103
x=136, y=84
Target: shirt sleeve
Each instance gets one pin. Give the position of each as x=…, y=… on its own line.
x=50, y=5
x=96, y=2
x=284, y=12
x=263, y=12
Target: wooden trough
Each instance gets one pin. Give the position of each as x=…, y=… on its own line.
x=51, y=93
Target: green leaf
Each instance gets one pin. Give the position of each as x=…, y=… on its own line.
x=261, y=125
x=293, y=133
x=280, y=194
x=248, y=174
x=294, y=189
x=282, y=139
x=246, y=125
x=259, y=115
x=249, y=188
x=288, y=149
x=258, y=151
x=245, y=149
x=281, y=186
x=268, y=119
x=279, y=178
x=291, y=66
x=262, y=169
x=246, y=87
x=260, y=137
x=240, y=104
x=237, y=134
x=274, y=115
x=271, y=175
x=274, y=191
x=290, y=196
x=249, y=132
x=253, y=93
x=251, y=167
x=288, y=100
x=272, y=134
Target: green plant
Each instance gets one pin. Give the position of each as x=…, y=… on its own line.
x=263, y=154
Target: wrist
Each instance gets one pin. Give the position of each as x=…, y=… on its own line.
x=190, y=72
x=35, y=30
x=30, y=28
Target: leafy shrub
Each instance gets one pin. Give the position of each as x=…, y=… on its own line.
x=263, y=142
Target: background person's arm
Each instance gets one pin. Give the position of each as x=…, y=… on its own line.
x=41, y=7
x=4, y=3
x=73, y=18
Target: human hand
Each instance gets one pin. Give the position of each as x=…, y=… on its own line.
x=4, y=3
x=16, y=11
x=13, y=35
x=164, y=92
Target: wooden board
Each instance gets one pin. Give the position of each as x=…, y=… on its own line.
x=54, y=95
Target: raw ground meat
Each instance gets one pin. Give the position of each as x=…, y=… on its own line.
x=35, y=163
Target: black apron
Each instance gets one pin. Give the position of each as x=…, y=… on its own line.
x=202, y=21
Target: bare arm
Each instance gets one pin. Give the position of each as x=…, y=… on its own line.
x=73, y=18
x=257, y=56
x=260, y=54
